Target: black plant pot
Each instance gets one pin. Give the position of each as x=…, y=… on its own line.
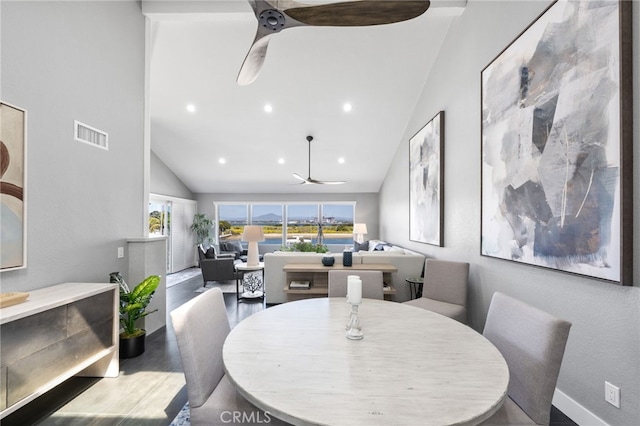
x=328, y=260
x=132, y=347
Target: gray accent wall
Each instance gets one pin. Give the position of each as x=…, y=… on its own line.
x=604, y=342
x=164, y=182
x=66, y=61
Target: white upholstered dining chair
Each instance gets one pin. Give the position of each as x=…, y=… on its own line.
x=372, y=283
x=532, y=342
x=445, y=289
x=201, y=326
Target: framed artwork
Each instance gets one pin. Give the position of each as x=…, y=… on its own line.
x=13, y=136
x=557, y=143
x=426, y=183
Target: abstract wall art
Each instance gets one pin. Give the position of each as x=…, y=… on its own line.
x=557, y=141
x=13, y=127
x=426, y=183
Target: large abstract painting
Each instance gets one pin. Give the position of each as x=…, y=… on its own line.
x=12, y=185
x=556, y=143
x=426, y=175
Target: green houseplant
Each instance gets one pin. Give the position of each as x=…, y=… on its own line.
x=306, y=246
x=133, y=306
x=202, y=227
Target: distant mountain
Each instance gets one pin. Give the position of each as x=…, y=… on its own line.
x=269, y=217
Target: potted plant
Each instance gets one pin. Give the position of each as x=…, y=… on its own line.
x=202, y=227
x=133, y=306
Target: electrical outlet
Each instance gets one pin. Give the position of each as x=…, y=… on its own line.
x=120, y=252
x=612, y=394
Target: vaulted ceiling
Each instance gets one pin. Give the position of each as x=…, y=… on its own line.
x=310, y=73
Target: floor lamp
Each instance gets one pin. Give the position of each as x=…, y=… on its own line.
x=253, y=234
x=359, y=229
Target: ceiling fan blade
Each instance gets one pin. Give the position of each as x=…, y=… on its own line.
x=255, y=58
x=359, y=13
x=327, y=182
x=297, y=176
x=271, y=20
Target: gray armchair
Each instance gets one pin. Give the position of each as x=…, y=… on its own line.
x=445, y=289
x=235, y=247
x=220, y=268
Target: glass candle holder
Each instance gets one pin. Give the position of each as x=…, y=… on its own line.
x=354, y=332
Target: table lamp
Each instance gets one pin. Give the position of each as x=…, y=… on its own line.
x=252, y=234
x=359, y=229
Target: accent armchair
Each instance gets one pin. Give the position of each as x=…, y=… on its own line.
x=220, y=268
x=445, y=289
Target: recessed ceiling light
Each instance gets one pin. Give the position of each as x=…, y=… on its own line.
x=341, y=160
x=280, y=160
x=347, y=107
x=222, y=161
x=191, y=108
x=268, y=108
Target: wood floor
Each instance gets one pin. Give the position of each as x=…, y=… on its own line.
x=150, y=390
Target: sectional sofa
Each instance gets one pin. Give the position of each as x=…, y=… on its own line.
x=409, y=264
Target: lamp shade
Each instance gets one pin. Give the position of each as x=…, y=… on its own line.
x=252, y=233
x=359, y=228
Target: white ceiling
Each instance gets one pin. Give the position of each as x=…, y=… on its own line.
x=308, y=74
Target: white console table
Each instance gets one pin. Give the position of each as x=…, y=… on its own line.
x=58, y=332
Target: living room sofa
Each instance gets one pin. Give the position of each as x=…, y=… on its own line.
x=409, y=264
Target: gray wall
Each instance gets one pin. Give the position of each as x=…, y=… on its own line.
x=66, y=61
x=604, y=342
x=164, y=182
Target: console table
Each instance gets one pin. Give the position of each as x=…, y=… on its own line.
x=58, y=332
x=318, y=276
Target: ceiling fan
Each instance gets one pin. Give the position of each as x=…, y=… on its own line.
x=309, y=180
x=276, y=15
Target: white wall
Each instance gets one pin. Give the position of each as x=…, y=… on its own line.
x=66, y=61
x=604, y=342
x=165, y=182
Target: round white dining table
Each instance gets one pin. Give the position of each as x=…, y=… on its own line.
x=413, y=366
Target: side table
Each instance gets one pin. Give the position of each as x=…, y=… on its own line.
x=253, y=290
x=415, y=286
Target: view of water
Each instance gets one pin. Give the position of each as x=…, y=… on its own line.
x=327, y=240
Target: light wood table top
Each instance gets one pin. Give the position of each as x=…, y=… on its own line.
x=319, y=267
x=413, y=367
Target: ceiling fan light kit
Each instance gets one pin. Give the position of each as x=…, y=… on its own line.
x=311, y=181
x=357, y=13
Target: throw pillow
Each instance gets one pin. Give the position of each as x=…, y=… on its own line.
x=360, y=246
x=377, y=245
x=211, y=253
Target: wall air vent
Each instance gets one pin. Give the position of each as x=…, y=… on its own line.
x=90, y=135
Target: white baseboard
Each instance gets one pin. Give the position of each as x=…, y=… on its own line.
x=575, y=411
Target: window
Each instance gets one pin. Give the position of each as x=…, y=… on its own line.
x=269, y=216
x=337, y=223
x=302, y=222
x=231, y=221
x=287, y=223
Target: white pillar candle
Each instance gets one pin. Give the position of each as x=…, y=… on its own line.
x=354, y=291
x=349, y=279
